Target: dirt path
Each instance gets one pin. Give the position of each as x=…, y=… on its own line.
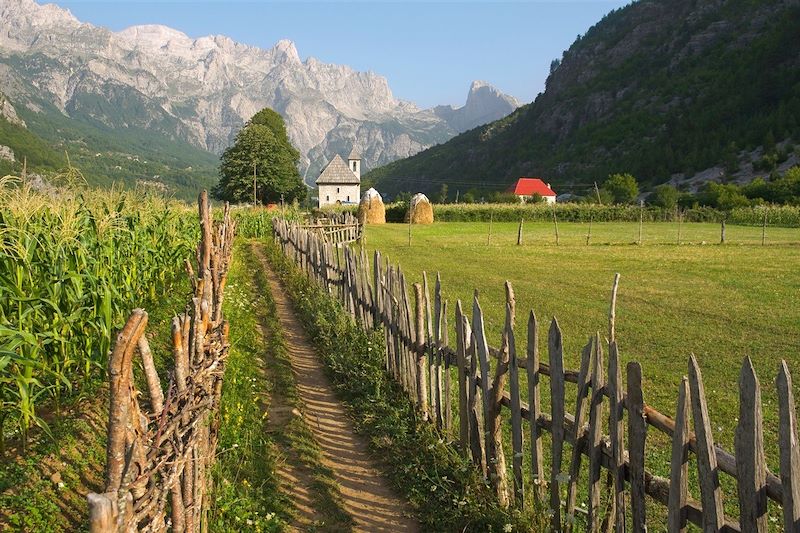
x=295, y=479
x=366, y=494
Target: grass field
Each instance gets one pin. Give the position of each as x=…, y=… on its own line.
x=720, y=302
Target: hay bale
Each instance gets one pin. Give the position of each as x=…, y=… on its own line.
x=371, y=209
x=420, y=210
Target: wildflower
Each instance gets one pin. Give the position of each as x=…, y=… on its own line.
x=508, y=528
x=433, y=488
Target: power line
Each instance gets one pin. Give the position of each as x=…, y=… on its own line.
x=481, y=184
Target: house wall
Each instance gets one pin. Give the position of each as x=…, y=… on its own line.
x=547, y=199
x=345, y=194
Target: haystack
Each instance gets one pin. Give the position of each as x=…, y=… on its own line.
x=371, y=209
x=420, y=210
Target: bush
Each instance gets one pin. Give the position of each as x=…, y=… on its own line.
x=665, y=196
x=622, y=187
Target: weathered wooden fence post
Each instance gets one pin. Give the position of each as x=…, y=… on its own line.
x=679, y=464
x=419, y=352
x=555, y=223
x=722, y=232
x=751, y=468
x=789, y=450
x=462, y=336
x=534, y=406
x=708, y=473
x=556, y=357
x=637, y=434
x=594, y=436
x=589, y=233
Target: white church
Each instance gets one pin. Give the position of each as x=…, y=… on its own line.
x=340, y=182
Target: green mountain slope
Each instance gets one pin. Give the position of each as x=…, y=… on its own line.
x=655, y=88
x=138, y=155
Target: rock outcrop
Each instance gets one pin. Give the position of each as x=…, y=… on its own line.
x=8, y=112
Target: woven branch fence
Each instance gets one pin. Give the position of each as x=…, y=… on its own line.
x=420, y=358
x=160, y=451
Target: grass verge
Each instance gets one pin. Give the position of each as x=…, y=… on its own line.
x=444, y=488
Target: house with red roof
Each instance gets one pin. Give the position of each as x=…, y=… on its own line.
x=525, y=188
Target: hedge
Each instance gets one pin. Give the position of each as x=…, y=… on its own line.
x=785, y=215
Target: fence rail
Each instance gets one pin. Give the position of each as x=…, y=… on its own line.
x=159, y=454
x=419, y=357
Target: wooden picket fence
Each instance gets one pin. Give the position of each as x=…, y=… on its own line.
x=159, y=454
x=337, y=228
x=420, y=358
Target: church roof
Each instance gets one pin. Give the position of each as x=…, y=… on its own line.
x=353, y=154
x=337, y=172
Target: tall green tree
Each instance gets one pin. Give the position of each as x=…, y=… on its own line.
x=261, y=150
x=622, y=187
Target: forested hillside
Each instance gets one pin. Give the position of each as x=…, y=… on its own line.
x=656, y=88
x=131, y=156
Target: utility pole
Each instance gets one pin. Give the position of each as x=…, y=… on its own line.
x=255, y=201
x=457, y=191
x=597, y=192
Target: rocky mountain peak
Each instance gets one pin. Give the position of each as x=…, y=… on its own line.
x=286, y=52
x=478, y=84
x=485, y=104
x=484, y=95
x=155, y=36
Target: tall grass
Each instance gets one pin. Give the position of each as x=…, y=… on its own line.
x=256, y=222
x=71, y=268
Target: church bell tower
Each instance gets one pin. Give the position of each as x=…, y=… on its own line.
x=354, y=162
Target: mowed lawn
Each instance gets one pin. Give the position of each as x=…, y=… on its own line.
x=720, y=302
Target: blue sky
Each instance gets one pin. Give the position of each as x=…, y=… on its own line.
x=429, y=51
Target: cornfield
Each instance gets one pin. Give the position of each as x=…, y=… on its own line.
x=71, y=269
